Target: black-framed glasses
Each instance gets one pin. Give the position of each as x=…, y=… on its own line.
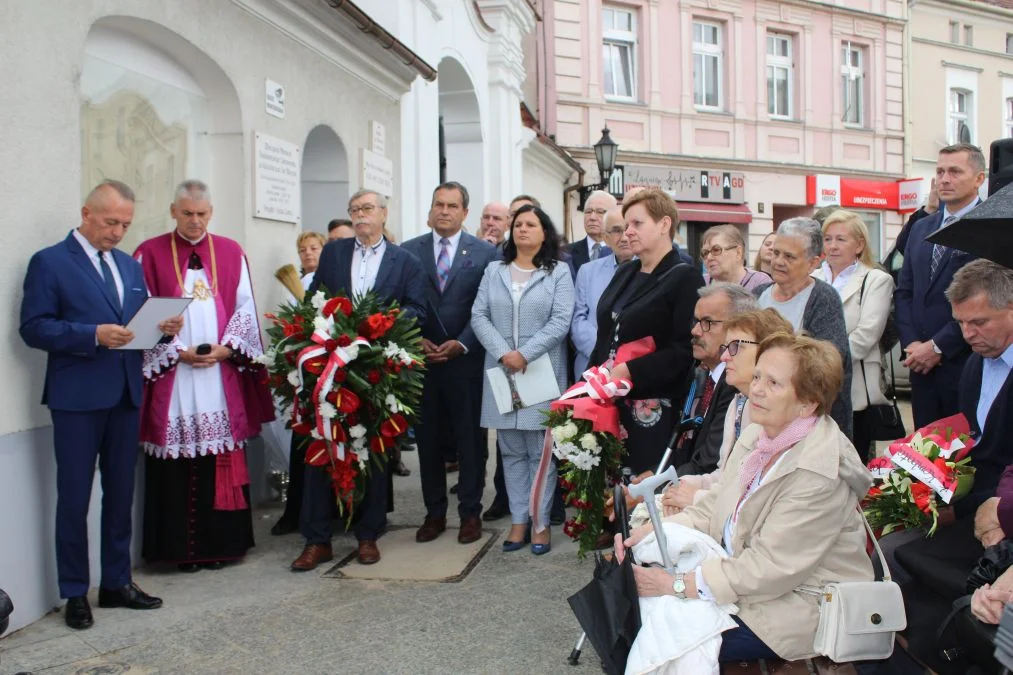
x=365, y=209
x=733, y=347
x=705, y=324
x=714, y=251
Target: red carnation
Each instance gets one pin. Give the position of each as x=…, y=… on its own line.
x=335, y=304
x=344, y=340
x=373, y=376
x=330, y=345
x=923, y=496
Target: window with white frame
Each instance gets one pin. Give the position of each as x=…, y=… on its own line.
x=955, y=32
x=961, y=117
x=969, y=35
x=874, y=224
x=619, y=46
x=853, y=83
x=780, y=75
x=1009, y=118
x=707, y=64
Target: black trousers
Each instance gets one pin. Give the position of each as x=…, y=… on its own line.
x=451, y=410
x=315, y=519
x=860, y=435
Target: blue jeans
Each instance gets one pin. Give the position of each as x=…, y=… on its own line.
x=741, y=644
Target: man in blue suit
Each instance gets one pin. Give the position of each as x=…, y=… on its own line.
x=454, y=262
x=353, y=267
x=78, y=296
x=935, y=349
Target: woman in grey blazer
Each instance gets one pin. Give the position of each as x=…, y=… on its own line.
x=521, y=312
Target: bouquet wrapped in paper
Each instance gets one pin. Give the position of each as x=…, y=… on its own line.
x=349, y=375
x=930, y=466
x=584, y=434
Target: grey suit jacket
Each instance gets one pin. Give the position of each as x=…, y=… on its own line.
x=543, y=321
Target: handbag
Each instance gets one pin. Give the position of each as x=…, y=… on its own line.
x=858, y=619
x=883, y=420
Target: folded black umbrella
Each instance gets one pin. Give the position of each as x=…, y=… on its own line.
x=985, y=231
x=608, y=608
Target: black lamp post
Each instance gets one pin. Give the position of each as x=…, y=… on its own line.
x=605, y=151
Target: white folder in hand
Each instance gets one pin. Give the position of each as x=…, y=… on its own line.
x=535, y=385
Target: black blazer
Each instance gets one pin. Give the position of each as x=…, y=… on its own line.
x=578, y=254
x=992, y=451
x=663, y=309
x=704, y=452
x=449, y=313
x=400, y=278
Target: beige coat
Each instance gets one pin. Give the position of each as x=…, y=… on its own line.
x=800, y=527
x=865, y=322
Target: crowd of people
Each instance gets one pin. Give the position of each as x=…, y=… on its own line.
x=761, y=377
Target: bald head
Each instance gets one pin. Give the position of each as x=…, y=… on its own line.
x=494, y=223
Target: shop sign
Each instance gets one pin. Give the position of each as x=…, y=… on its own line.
x=690, y=185
x=857, y=193
x=276, y=179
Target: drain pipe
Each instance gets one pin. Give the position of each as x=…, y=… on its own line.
x=388, y=41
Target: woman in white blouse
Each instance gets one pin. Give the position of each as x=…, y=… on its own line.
x=866, y=293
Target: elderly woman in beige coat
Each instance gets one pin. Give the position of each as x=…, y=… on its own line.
x=785, y=509
x=866, y=293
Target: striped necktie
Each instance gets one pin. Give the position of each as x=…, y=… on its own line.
x=110, y=282
x=938, y=250
x=595, y=250
x=443, y=263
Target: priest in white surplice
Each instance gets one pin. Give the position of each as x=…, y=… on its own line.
x=204, y=396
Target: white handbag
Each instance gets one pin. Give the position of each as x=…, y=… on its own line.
x=858, y=619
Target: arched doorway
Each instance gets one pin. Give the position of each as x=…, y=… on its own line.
x=324, y=179
x=462, y=149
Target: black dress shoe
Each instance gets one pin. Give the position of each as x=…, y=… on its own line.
x=129, y=596
x=188, y=568
x=495, y=512
x=453, y=489
x=78, y=613
x=284, y=526
x=402, y=470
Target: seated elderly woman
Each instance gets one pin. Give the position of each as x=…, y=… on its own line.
x=786, y=510
x=812, y=306
x=743, y=332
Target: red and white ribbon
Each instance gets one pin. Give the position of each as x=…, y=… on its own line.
x=599, y=385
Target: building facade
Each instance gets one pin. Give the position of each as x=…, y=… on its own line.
x=965, y=50
x=747, y=111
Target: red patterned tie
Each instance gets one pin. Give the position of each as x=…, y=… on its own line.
x=705, y=399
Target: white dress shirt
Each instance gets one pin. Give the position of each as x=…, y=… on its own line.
x=92, y=254
x=454, y=240
x=842, y=279
x=365, y=265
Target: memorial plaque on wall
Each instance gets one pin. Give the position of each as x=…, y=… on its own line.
x=276, y=179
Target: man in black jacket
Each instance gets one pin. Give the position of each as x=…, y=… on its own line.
x=699, y=447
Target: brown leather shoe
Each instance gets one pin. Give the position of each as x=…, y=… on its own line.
x=431, y=529
x=311, y=556
x=368, y=552
x=471, y=530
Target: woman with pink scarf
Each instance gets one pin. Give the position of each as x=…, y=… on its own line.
x=785, y=508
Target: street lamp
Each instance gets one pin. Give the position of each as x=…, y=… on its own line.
x=605, y=151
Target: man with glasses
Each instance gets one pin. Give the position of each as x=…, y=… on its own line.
x=592, y=279
x=353, y=267
x=699, y=447
x=592, y=247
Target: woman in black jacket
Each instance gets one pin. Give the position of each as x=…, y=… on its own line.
x=653, y=296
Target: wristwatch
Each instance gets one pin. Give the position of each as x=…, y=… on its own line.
x=936, y=348
x=679, y=585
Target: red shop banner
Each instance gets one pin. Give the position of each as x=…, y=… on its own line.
x=857, y=193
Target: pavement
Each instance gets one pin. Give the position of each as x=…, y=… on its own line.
x=507, y=615
x=498, y=613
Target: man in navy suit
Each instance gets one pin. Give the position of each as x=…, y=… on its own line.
x=935, y=349
x=354, y=267
x=78, y=296
x=592, y=247
x=454, y=262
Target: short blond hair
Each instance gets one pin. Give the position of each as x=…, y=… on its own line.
x=819, y=370
x=856, y=226
x=658, y=204
x=305, y=236
x=760, y=323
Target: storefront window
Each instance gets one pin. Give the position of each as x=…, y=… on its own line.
x=874, y=221
x=147, y=129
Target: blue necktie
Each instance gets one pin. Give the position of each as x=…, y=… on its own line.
x=938, y=250
x=107, y=277
x=443, y=263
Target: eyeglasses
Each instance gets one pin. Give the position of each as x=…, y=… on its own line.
x=733, y=347
x=714, y=251
x=705, y=324
x=365, y=209
x=598, y=212
x=615, y=231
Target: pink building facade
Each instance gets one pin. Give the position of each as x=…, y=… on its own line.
x=747, y=111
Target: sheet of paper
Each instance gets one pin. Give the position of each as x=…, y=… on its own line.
x=500, y=386
x=537, y=383
x=154, y=311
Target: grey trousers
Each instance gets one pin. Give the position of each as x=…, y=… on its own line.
x=522, y=452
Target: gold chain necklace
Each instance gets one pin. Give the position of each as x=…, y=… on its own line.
x=200, y=290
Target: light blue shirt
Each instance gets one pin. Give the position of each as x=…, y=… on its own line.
x=959, y=214
x=592, y=280
x=993, y=375
x=453, y=241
